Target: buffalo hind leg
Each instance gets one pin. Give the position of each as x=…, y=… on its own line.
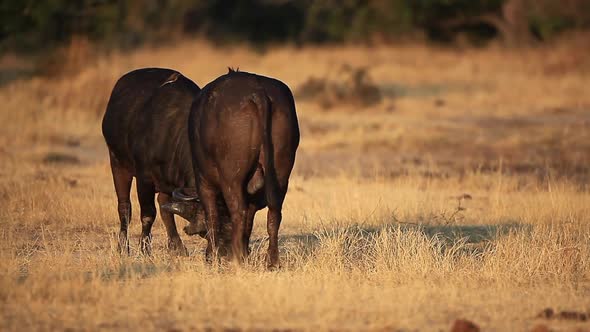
x=273, y=220
x=208, y=197
x=146, y=193
x=236, y=205
x=174, y=242
x=122, y=179
x=273, y=223
x=248, y=228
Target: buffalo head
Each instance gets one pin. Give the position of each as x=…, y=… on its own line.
x=186, y=204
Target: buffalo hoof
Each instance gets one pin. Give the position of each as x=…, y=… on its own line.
x=124, y=250
x=145, y=245
x=211, y=258
x=177, y=248
x=272, y=265
x=123, y=244
x=272, y=260
x=217, y=257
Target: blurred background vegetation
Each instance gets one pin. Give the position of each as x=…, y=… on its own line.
x=30, y=26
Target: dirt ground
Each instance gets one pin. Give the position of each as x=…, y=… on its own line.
x=462, y=193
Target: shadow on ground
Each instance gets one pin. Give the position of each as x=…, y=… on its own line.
x=396, y=90
x=474, y=237
x=9, y=75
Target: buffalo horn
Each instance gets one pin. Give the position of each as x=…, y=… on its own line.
x=179, y=195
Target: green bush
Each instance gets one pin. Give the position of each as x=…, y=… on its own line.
x=32, y=25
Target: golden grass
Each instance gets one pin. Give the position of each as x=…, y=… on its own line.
x=373, y=236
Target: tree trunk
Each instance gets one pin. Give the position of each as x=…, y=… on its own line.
x=512, y=23
x=516, y=31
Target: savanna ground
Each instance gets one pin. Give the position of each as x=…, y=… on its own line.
x=378, y=232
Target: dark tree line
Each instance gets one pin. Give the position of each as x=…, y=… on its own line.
x=33, y=25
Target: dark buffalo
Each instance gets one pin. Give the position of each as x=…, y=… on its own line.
x=244, y=134
x=145, y=128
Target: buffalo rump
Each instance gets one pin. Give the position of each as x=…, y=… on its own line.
x=243, y=133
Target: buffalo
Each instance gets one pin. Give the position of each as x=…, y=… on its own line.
x=243, y=133
x=145, y=129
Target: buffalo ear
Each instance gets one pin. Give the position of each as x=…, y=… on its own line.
x=180, y=194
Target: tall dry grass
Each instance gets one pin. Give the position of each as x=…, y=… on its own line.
x=375, y=235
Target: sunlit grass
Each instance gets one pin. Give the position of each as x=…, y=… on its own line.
x=375, y=235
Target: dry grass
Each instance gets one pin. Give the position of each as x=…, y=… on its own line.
x=373, y=236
